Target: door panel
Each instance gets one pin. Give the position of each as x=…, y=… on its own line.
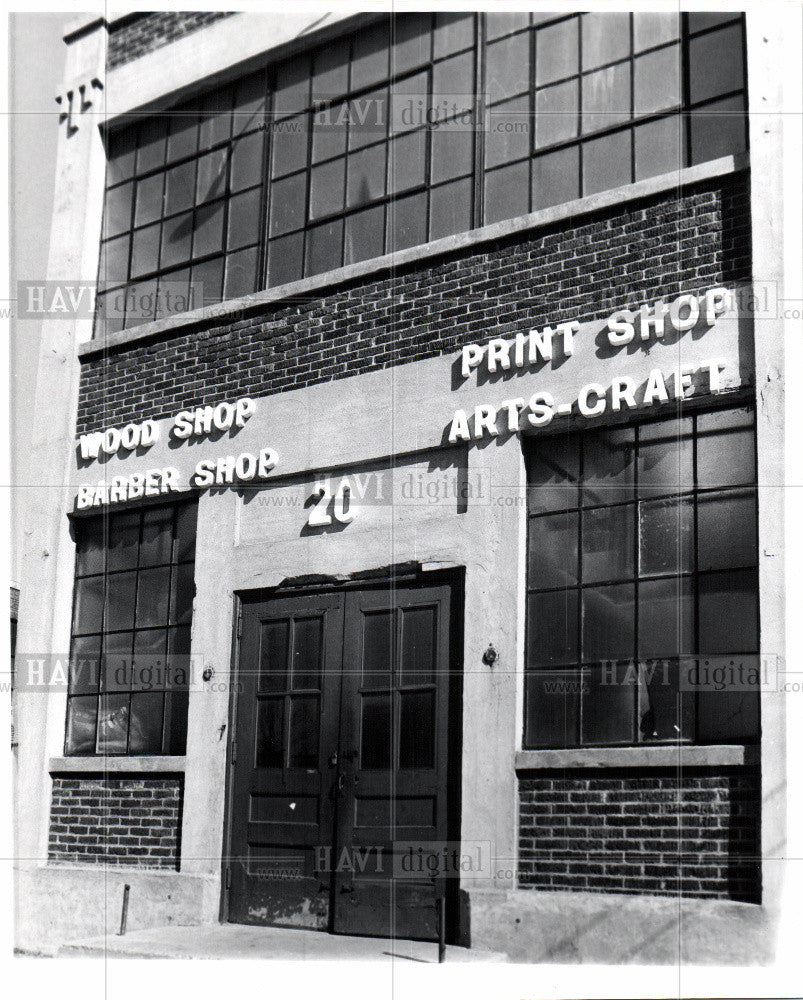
x=286, y=725
x=343, y=754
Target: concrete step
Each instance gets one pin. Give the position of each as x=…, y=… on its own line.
x=289, y=944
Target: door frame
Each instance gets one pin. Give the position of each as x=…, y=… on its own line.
x=456, y=914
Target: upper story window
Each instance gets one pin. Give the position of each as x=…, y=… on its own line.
x=417, y=126
x=642, y=606
x=132, y=615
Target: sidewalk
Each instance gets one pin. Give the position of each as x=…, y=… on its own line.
x=289, y=944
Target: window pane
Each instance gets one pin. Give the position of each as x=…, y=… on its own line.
x=176, y=704
x=503, y=24
x=552, y=628
x=507, y=67
x=607, y=543
x=556, y=177
x=183, y=138
x=450, y=209
x=121, y=146
x=660, y=147
x=508, y=136
x=365, y=234
x=113, y=717
x=665, y=458
x=608, y=465
x=307, y=652
x=368, y=116
x=273, y=650
x=552, y=708
x=377, y=733
x=725, y=448
x=249, y=103
x=452, y=33
x=324, y=247
x=606, y=162
x=208, y=279
x=149, y=663
x=715, y=63
x=606, y=38
x=186, y=519
x=718, y=129
x=85, y=665
x=113, y=269
x=289, y=142
x=292, y=86
x=285, y=260
x=665, y=711
x=82, y=714
x=117, y=664
x=377, y=661
x=656, y=80
x=244, y=219
x=407, y=162
x=407, y=222
x=726, y=526
x=90, y=549
x=215, y=122
x=666, y=537
x=176, y=240
x=556, y=114
x=246, y=161
x=366, y=175
x=452, y=149
x=270, y=722
x=418, y=645
x=608, y=704
x=157, y=536
x=140, y=302
x=146, y=722
x=120, y=593
x=608, y=632
x=666, y=617
x=654, y=29
x=151, y=143
x=211, y=179
x=553, y=472
x=304, y=725
x=241, y=269
x=417, y=729
x=411, y=41
x=606, y=98
x=208, y=237
x=117, y=214
x=553, y=550
x=453, y=82
x=329, y=72
x=182, y=594
x=180, y=184
x=288, y=204
x=153, y=595
x=728, y=604
x=329, y=131
x=724, y=713
x=409, y=105
x=369, y=58
x=327, y=188
x=556, y=52
x=507, y=192
x=145, y=250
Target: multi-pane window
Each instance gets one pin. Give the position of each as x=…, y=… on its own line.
x=415, y=127
x=642, y=606
x=132, y=614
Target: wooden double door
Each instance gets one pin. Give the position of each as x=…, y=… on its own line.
x=345, y=762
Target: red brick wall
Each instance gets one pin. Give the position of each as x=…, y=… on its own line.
x=579, y=269
x=130, y=820
x=658, y=832
x=143, y=32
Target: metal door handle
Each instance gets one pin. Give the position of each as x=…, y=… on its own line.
x=341, y=784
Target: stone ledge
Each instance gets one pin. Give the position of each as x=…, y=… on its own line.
x=487, y=234
x=116, y=765
x=638, y=757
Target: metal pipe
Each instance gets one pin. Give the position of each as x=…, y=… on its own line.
x=124, y=914
x=441, y=914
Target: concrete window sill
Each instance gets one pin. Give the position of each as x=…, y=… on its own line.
x=116, y=765
x=638, y=757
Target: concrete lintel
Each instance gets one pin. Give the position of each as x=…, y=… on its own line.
x=116, y=765
x=82, y=25
x=643, y=756
x=498, y=230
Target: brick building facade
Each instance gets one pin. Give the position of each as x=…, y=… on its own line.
x=351, y=444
